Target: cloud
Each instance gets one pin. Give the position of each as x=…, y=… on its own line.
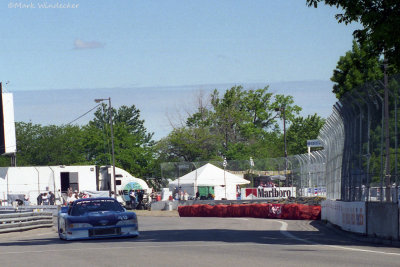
x=79, y=44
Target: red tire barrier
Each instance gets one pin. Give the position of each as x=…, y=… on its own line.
x=183, y=211
x=309, y=212
x=233, y=210
x=194, y=211
x=272, y=211
x=275, y=211
x=221, y=211
x=206, y=211
x=261, y=210
x=246, y=210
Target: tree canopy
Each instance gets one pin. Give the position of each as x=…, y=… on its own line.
x=89, y=144
x=237, y=125
x=380, y=19
x=355, y=68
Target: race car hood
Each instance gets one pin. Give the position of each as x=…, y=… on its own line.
x=102, y=218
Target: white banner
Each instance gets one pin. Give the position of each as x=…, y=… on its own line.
x=350, y=216
x=268, y=193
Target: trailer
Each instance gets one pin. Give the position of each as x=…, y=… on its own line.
x=28, y=182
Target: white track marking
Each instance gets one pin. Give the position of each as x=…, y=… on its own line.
x=284, y=231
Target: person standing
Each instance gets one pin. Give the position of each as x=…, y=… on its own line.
x=140, y=196
x=26, y=200
x=132, y=198
x=52, y=198
x=71, y=198
x=39, y=199
x=45, y=199
x=185, y=195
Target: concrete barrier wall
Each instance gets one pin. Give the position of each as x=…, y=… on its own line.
x=349, y=216
x=383, y=220
x=165, y=205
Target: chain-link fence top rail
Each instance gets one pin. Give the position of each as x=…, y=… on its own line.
x=301, y=171
x=362, y=160
x=332, y=137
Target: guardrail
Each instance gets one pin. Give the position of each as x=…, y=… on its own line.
x=21, y=221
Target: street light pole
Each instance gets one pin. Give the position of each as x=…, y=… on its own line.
x=225, y=163
x=252, y=176
x=284, y=139
x=112, y=141
x=283, y=110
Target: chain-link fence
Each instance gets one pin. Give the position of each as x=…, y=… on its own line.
x=360, y=157
x=361, y=144
x=304, y=173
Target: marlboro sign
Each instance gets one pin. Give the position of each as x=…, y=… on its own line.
x=268, y=193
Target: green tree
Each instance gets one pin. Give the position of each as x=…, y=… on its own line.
x=244, y=117
x=48, y=145
x=188, y=144
x=240, y=124
x=301, y=130
x=132, y=143
x=380, y=19
x=357, y=67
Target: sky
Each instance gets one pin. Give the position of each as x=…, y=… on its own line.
x=131, y=49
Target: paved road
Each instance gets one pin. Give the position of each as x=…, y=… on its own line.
x=189, y=242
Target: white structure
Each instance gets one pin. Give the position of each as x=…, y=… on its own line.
x=31, y=181
x=7, y=124
x=223, y=182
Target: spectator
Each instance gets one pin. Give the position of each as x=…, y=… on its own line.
x=45, y=199
x=26, y=200
x=132, y=198
x=71, y=198
x=39, y=199
x=140, y=194
x=153, y=195
x=52, y=198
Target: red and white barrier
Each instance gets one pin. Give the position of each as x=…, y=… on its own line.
x=272, y=211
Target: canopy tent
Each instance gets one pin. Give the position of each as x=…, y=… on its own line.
x=210, y=175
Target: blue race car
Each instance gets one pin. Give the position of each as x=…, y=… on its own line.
x=91, y=218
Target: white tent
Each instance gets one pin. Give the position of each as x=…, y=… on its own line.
x=224, y=182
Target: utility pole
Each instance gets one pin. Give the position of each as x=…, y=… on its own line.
x=112, y=141
x=387, y=138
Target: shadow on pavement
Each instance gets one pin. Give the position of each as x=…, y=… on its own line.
x=321, y=235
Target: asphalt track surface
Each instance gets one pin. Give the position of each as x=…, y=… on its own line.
x=175, y=241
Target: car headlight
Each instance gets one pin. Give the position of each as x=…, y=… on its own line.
x=127, y=222
x=79, y=225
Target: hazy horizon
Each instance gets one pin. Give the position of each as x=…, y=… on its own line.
x=158, y=105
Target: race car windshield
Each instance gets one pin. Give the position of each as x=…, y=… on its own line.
x=83, y=207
